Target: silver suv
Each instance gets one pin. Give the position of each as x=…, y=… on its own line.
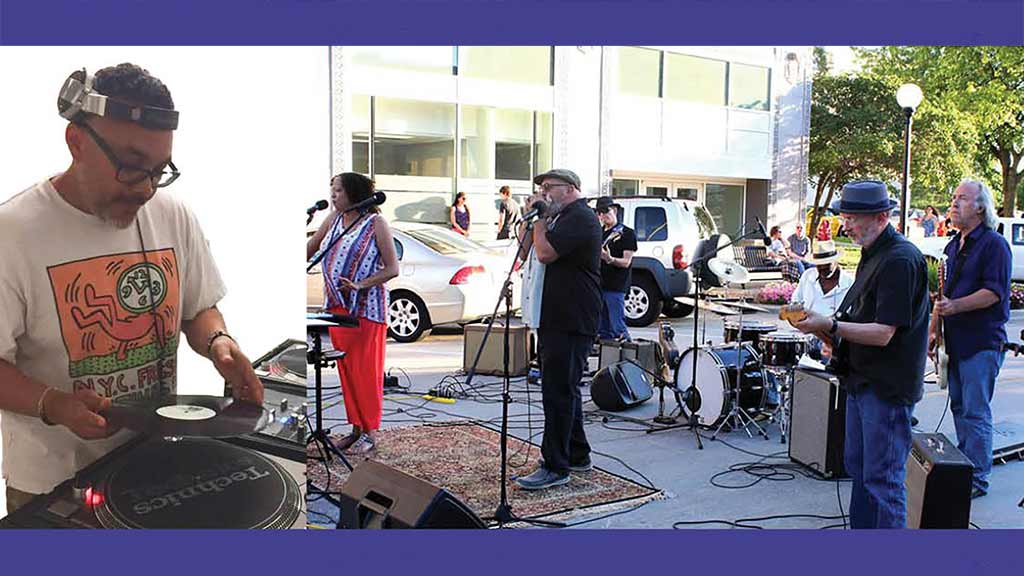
x=667, y=233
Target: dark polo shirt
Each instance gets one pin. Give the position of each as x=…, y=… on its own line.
x=985, y=261
x=891, y=288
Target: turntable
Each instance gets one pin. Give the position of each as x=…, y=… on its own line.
x=249, y=481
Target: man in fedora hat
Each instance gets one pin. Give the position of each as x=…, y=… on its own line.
x=568, y=242
x=879, y=336
x=618, y=243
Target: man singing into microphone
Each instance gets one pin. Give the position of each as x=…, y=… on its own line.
x=101, y=275
x=568, y=242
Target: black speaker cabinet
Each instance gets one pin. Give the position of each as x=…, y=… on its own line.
x=620, y=386
x=379, y=496
x=640, y=351
x=938, y=484
x=818, y=422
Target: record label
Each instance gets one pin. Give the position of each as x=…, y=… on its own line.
x=186, y=412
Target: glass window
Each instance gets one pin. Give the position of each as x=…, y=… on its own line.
x=1018, y=234
x=543, y=148
x=686, y=193
x=399, y=249
x=444, y=241
x=650, y=224
x=414, y=138
x=432, y=59
x=361, y=134
x=748, y=86
x=521, y=64
x=624, y=188
x=660, y=191
x=694, y=79
x=725, y=203
x=496, y=143
x=639, y=71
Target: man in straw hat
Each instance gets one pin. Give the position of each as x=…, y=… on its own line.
x=879, y=335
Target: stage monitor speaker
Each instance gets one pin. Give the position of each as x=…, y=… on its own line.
x=938, y=484
x=379, y=496
x=492, y=360
x=818, y=422
x=620, y=386
x=640, y=351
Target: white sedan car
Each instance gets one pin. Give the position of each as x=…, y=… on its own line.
x=445, y=278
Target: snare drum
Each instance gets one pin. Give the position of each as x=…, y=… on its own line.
x=719, y=370
x=752, y=330
x=783, y=349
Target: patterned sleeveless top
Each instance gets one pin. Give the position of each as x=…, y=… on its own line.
x=355, y=257
x=462, y=217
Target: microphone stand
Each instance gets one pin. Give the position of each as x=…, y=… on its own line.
x=691, y=395
x=503, y=514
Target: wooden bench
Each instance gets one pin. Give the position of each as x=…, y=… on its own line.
x=754, y=257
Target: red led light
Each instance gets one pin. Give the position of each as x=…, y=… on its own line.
x=93, y=498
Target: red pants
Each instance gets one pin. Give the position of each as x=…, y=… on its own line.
x=362, y=370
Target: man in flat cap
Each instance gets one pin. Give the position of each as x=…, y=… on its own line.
x=568, y=242
x=879, y=336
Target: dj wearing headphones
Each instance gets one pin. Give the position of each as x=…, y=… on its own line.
x=102, y=274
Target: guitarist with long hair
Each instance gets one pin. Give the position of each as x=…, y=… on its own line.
x=618, y=245
x=974, y=309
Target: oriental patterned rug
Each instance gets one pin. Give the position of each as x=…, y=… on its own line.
x=464, y=459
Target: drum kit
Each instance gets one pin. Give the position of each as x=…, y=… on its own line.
x=744, y=380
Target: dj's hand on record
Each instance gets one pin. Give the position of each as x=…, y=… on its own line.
x=80, y=413
x=236, y=369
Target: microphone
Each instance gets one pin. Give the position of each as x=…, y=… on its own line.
x=539, y=208
x=377, y=199
x=320, y=205
x=764, y=235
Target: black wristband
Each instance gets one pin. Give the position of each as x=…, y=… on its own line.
x=214, y=336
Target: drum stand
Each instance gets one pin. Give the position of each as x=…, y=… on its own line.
x=737, y=415
x=781, y=414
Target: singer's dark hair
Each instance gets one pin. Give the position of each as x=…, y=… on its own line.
x=358, y=188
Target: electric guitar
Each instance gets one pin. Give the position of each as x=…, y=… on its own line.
x=941, y=358
x=614, y=235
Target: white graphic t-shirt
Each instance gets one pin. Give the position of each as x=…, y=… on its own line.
x=85, y=305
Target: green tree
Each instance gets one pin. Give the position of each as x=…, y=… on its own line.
x=856, y=129
x=981, y=90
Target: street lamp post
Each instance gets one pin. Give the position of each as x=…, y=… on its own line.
x=908, y=96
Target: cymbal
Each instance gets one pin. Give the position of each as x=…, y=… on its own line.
x=729, y=272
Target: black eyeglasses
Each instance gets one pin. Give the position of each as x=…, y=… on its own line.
x=160, y=177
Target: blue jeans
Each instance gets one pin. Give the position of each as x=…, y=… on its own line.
x=971, y=384
x=877, y=445
x=613, y=316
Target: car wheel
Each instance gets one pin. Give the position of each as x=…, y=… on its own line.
x=408, y=318
x=643, y=302
x=677, y=310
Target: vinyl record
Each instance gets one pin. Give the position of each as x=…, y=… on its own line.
x=188, y=416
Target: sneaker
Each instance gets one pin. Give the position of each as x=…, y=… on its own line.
x=977, y=493
x=584, y=467
x=542, y=478
x=361, y=447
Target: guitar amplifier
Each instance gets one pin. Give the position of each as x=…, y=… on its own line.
x=493, y=357
x=818, y=422
x=938, y=484
x=643, y=352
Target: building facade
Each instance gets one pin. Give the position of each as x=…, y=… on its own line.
x=724, y=126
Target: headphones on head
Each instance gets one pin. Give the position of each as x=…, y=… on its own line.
x=77, y=97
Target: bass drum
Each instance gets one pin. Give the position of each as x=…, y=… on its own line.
x=720, y=369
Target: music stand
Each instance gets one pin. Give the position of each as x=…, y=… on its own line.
x=316, y=326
